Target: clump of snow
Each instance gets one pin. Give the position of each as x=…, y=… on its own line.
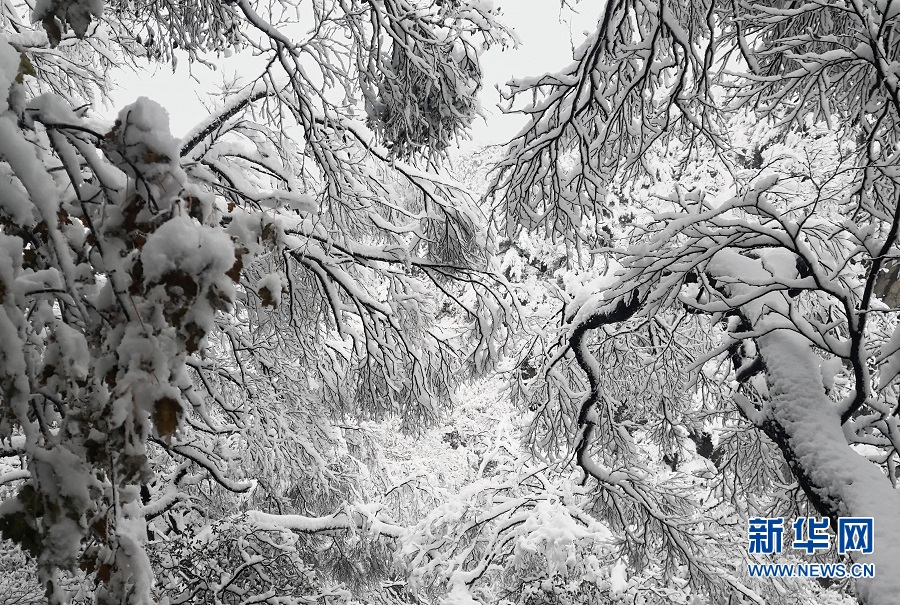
x=552, y=531
x=140, y=143
x=69, y=355
x=830, y=368
x=459, y=595
x=131, y=530
x=182, y=243
x=618, y=578
x=52, y=108
x=63, y=477
x=9, y=65
x=300, y=202
x=270, y=288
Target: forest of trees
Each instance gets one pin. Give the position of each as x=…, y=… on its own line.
x=311, y=353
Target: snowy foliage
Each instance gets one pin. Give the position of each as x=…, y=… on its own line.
x=191, y=327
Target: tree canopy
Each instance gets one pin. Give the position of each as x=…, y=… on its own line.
x=761, y=139
x=186, y=319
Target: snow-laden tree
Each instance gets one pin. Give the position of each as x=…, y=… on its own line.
x=192, y=328
x=758, y=143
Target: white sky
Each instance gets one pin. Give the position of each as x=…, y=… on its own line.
x=546, y=30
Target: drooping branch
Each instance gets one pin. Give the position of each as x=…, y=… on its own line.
x=616, y=311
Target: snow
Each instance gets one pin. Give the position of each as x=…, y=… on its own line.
x=131, y=557
x=143, y=144
x=182, y=243
x=63, y=476
x=300, y=202
x=22, y=158
x=618, y=578
x=890, y=354
x=341, y=521
x=553, y=531
x=459, y=595
x=274, y=284
x=9, y=64
x=74, y=359
x=830, y=368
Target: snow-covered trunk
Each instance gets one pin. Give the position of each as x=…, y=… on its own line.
x=806, y=425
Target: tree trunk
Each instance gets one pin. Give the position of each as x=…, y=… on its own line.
x=806, y=425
